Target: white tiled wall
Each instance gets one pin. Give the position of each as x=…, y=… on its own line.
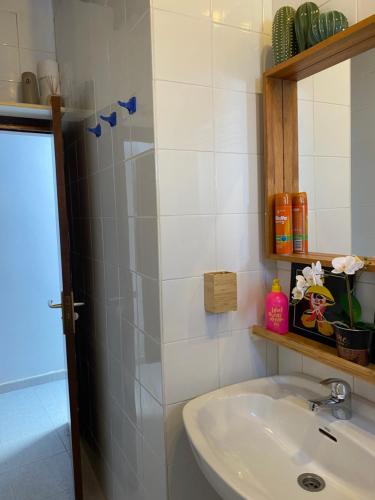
x=325, y=157
x=207, y=82
x=152, y=221
x=26, y=37
x=363, y=175
x=289, y=361
x=104, y=51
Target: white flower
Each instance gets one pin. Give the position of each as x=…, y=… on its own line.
x=301, y=283
x=348, y=265
x=313, y=275
x=298, y=293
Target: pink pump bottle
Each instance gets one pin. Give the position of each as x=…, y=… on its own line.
x=277, y=309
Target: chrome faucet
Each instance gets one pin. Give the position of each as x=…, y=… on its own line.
x=340, y=400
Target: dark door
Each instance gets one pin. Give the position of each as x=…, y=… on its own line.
x=67, y=298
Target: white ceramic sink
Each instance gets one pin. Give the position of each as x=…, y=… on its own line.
x=252, y=441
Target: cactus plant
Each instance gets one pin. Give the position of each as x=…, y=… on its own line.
x=331, y=23
x=284, y=42
x=307, y=15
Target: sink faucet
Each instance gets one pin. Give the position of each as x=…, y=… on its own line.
x=340, y=400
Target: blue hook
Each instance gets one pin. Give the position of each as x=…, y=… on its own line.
x=111, y=119
x=130, y=105
x=96, y=130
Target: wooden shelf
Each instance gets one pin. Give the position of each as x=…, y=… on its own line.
x=335, y=49
x=320, y=352
x=324, y=258
x=40, y=112
x=23, y=110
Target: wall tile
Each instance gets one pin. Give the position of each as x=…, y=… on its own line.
x=110, y=241
x=177, y=442
x=238, y=242
x=141, y=185
x=131, y=349
x=184, y=117
x=364, y=389
x=30, y=58
x=241, y=14
x=153, y=423
x=289, y=362
x=135, y=9
x=41, y=38
x=237, y=127
x=333, y=233
x=251, y=293
x=138, y=53
x=365, y=8
x=11, y=92
x=146, y=244
x=196, y=8
x=186, y=182
x=121, y=137
x=349, y=7
x=174, y=58
x=187, y=481
x=306, y=174
x=331, y=140
x=241, y=357
x=305, y=89
x=9, y=64
x=150, y=365
x=321, y=371
x=190, y=369
x=333, y=84
x=187, y=246
x=148, y=294
x=154, y=475
x=8, y=28
x=233, y=49
x=238, y=183
x=132, y=399
x=331, y=172
x=128, y=295
x=183, y=310
x=312, y=231
x=267, y=17
x=306, y=127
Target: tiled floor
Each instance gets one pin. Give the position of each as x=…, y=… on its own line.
x=35, y=444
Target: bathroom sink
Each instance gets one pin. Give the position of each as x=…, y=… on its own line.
x=255, y=439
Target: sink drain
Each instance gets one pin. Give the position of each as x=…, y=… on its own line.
x=311, y=482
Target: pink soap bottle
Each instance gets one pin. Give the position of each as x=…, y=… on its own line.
x=277, y=309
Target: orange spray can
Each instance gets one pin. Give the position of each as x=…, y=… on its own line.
x=300, y=223
x=283, y=224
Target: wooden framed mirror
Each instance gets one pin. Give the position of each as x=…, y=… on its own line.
x=281, y=129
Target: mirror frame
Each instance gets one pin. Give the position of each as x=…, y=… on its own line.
x=280, y=108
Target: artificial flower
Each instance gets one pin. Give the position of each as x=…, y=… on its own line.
x=313, y=275
x=348, y=265
x=298, y=293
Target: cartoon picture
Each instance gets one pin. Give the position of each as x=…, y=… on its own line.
x=315, y=294
x=319, y=298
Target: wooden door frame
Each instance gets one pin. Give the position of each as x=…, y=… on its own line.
x=67, y=294
x=54, y=127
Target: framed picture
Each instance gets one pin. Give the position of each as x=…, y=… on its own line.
x=312, y=315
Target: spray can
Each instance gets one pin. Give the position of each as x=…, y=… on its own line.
x=300, y=223
x=283, y=224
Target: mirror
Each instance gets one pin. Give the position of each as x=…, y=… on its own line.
x=336, y=128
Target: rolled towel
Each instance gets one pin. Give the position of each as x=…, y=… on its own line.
x=49, y=79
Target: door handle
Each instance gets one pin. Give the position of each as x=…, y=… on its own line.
x=54, y=306
x=59, y=306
